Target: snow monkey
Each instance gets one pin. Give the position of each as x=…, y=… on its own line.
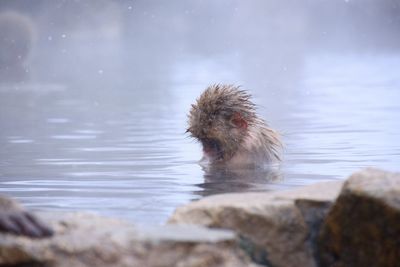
x=225, y=122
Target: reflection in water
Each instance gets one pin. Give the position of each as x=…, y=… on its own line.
x=100, y=124
x=221, y=180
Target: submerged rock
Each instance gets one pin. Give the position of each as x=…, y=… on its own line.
x=363, y=227
x=88, y=240
x=277, y=228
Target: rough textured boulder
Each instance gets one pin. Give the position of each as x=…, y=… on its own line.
x=83, y=240
x=277, y=228
x=363, y=227
x=352, y=223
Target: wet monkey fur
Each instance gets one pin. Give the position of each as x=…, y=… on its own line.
x=225, y=122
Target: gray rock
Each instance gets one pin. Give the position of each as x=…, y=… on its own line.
x=278, y=228
x=363, y=226
x=83, y=240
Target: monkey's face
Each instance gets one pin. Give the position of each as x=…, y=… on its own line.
x=221, y=132
x=220, y=119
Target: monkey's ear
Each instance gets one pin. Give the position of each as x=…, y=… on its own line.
x=238, y=120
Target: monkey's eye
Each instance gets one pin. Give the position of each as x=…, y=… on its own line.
x=226, y=115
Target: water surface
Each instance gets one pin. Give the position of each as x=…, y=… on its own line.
x=126, y=154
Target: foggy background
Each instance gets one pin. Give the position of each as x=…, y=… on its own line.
x=103, y=44
x=94, y=95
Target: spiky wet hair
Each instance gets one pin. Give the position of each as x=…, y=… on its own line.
x=222, y=100
x=224, y=120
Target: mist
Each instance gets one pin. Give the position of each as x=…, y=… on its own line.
x=103, y=44
x=94, y=95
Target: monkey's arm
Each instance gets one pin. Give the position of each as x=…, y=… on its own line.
x=14, y=219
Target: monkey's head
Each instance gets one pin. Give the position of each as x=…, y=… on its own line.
x=220, y=120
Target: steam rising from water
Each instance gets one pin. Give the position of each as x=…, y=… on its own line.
x=94, y=95
x=116, y=43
